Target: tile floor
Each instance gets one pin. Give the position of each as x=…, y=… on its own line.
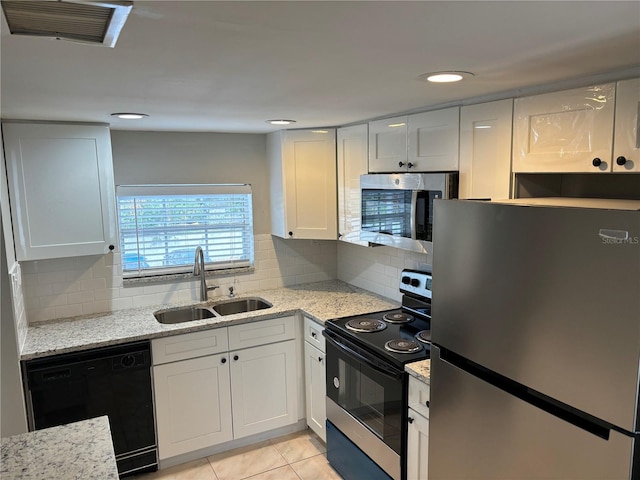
x=297, y=456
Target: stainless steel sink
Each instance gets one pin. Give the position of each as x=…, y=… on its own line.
x=185, y=314
x=242, y=305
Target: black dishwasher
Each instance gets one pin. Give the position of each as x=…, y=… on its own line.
x=113, y=381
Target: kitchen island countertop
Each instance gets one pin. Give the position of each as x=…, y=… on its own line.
x=320, y=301
x=68, y=452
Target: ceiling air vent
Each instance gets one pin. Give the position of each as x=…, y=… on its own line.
x=98, y=22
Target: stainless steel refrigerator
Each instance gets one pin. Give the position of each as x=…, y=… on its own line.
x=536, y=331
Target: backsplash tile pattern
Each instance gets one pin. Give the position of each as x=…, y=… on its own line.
x=377, y=269
x=19, y=311
x=66, y=287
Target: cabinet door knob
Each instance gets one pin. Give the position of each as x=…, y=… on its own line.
x=291, y=234
x=223, y=360
x=401, y=164
x=410, y=165
x=427, y=404
x=112, y=247
x=621, y=161
x=235, y=357
x=410, y=420
x=320, y=359
x=596, y=162
x=314, y=334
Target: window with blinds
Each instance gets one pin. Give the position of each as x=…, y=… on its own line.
x=161, y=226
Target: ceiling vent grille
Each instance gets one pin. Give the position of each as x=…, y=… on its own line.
x=98, y=22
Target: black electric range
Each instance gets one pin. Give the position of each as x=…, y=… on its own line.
x=401, y=335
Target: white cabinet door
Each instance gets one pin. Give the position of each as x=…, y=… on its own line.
x=433, y=140
x=303, y=184
x=626, y=141
x=352, y=162
x=417, y=447
x=263, y=386
x=193, y=404
x=566, y=131
x=61, y=188
x=388, y=145
x=315, y=375
x=485, y=150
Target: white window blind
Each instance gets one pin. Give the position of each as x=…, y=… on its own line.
x=161, y=226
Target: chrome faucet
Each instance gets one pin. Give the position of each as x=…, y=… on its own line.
x=198, y=270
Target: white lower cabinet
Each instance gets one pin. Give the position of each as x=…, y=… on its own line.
x=193, y=404
x=418, y=431
x=315, y=377
x=417, y=446
x=207, y=392
x=263, y=388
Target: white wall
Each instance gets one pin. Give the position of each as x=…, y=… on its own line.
x=179, y=157
x=13, y=419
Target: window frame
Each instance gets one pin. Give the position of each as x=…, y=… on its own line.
x=247, y=243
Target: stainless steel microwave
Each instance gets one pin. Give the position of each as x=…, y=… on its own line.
x=397, y=209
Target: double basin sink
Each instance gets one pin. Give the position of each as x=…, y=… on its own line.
x=218, y=309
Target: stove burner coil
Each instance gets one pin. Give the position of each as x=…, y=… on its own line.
x=424, y=336
x=365, y=325
x=397, y=317
x=402, y=346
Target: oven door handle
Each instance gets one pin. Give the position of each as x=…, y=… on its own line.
x=353, y=350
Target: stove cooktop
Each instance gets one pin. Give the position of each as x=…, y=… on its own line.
x=376, y=340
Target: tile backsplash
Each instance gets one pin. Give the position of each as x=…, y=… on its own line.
x=67, y=287
x=19, y=312
x=377, y=269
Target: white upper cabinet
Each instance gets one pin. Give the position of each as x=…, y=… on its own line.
x=626, y=141
x=61, y=189
x=352, y=162
x=433, y=141
x=566, y=131
x=485, y=150
x=303, y=184
x=388, y=145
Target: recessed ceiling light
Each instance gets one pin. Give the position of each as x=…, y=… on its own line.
x=319, y=131
x=281, y=122
x=445, y=77
x=394, y=125
x=129, y=115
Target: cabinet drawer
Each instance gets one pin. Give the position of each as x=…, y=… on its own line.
x=419, y=396
x=313, y=334
x=261, y=332
x=189, y=345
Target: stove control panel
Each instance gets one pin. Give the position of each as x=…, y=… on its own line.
x=416, y=282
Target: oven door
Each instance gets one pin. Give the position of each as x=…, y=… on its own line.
x=364, y=389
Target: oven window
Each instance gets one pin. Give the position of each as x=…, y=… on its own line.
x=373, y=398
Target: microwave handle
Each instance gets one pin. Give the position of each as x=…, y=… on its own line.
x=414, y=213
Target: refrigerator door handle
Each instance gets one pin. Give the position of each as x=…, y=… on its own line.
x=609, y=234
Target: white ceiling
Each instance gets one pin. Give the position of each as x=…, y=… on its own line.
x=229, y=66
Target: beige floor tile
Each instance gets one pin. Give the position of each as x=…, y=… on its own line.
x=246, y=461
x=282, y=473
x=196, y=470
x=315, y=468
x=299, y=445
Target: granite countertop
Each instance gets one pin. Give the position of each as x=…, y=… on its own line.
x=320, y=301
x=80, y=450
x=420, y=370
